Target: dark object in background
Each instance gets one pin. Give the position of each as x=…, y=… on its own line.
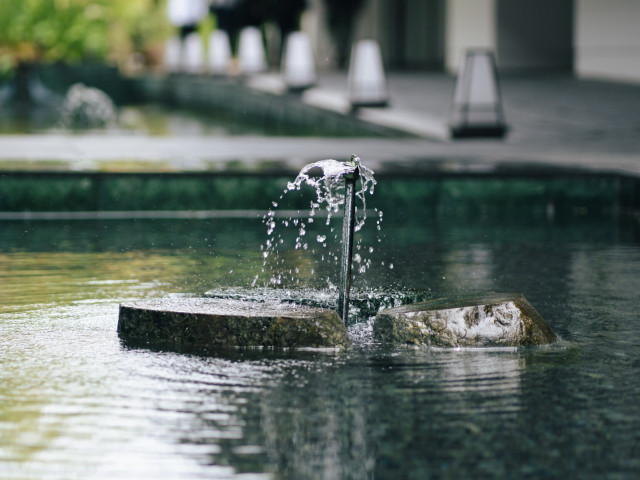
x=340, y=17
x=233, y=15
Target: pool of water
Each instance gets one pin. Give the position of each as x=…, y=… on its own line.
x=76, y=403
x=142, y=119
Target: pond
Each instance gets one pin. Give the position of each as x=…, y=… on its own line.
x=75, y=402
x=134, y=119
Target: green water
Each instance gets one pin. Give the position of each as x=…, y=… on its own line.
x=75, y=403
x=145, y=119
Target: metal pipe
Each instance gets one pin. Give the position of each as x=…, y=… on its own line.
x=347, y=242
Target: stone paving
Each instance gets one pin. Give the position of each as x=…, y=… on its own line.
x=554, y=120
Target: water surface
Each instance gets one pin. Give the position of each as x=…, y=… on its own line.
x=77, y=403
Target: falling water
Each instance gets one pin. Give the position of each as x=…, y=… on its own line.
x=279, y=281
x=329, y=197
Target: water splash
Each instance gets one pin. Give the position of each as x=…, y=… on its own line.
x=87, y=107
x=326, y=178
x=364, y=304
x=330, y=186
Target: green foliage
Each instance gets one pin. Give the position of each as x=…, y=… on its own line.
x=77, y=30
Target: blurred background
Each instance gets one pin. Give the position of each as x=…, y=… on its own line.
x=590, y=38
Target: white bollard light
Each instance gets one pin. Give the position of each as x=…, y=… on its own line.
x=182, y=13
x=219, y=52
x=172, y=60
x=251, y=54
x=193, y=53
x=298, y=67
x=367, y=83
x=477, y=105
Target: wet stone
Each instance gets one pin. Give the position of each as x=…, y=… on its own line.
x=492, y=320
x=187, y=323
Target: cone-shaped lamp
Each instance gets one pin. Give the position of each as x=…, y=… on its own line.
x=477, y=106
x=172, y=60
x=367, y=83
x=193, y=53
x=251, y=51
x=298, y=67
x=219, y=52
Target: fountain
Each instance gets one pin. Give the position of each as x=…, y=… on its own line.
x=87, y=107
x=271, y=317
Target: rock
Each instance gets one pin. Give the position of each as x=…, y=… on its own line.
x=493, y=320
x=187, y=323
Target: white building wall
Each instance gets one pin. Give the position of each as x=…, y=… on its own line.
x=469, y=24
x=607, y=39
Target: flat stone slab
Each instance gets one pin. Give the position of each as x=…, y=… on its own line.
x=186, y=323
x=491, y=320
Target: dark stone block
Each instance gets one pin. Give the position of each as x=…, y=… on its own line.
x=186, y=323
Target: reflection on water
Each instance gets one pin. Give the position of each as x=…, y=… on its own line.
x=153, y=120
x=76, y=403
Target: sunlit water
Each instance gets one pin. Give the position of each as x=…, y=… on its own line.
x=75, y=403
x=152, y=120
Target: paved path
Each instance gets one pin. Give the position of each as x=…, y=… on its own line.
x=554, y=121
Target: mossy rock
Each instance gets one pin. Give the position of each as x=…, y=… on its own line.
x=195, y=323
x=491, y=320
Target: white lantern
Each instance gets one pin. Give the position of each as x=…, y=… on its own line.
x=251, y=54
x=477, y=106
x=367, y=83
x=298, y=67
x=219, y=52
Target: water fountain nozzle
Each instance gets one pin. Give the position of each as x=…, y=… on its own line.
x=352, y=175
x=348, y=223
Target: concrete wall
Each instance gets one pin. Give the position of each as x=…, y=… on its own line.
x=607, y=39
x=534, y=34
x=468, y=24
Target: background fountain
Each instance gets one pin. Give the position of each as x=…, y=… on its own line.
x=87, y=107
